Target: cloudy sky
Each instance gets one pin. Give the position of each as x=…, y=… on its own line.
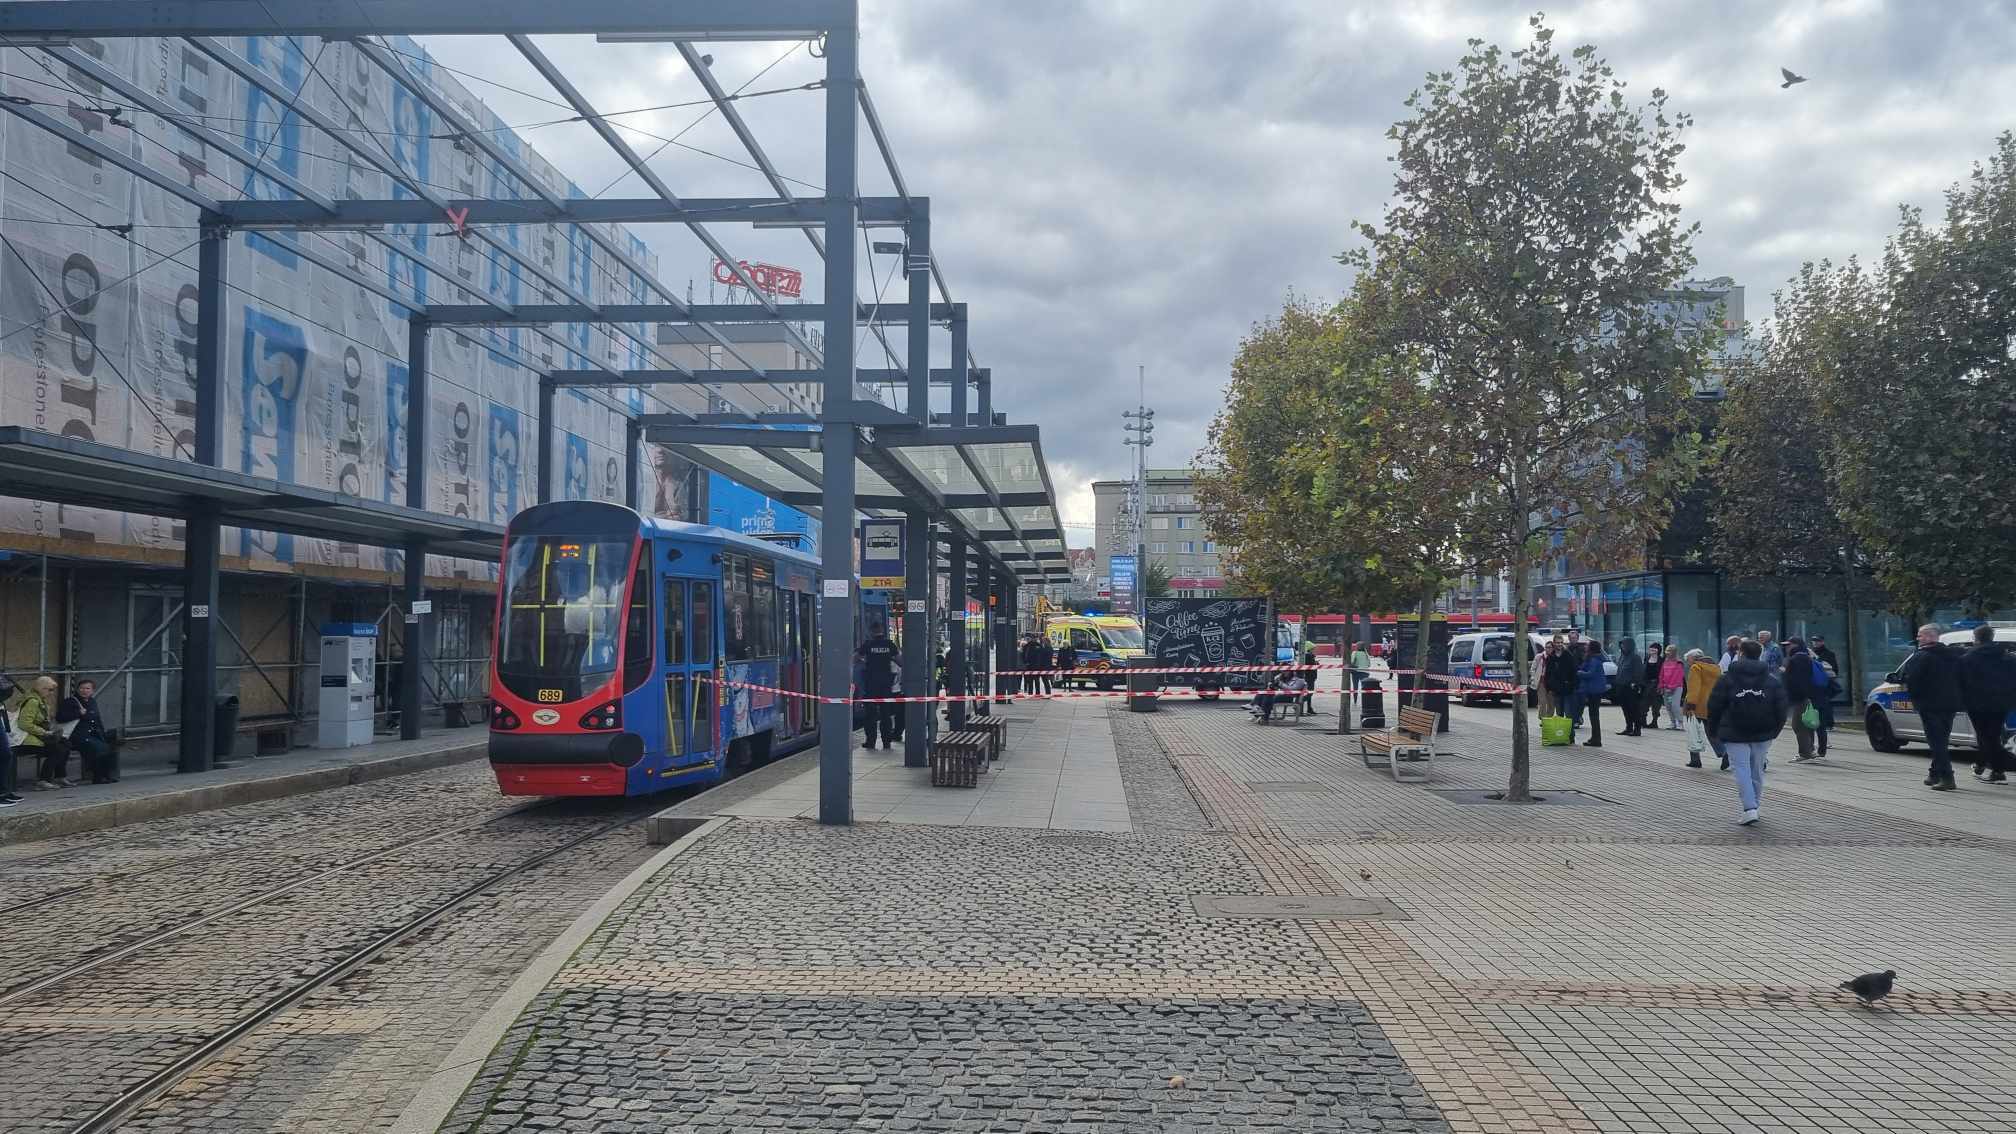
x=1123, y=183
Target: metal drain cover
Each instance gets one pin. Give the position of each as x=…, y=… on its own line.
x=1542, y=797
x=1304, y=786
x=1333, y=907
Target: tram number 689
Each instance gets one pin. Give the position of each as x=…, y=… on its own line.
x=551, y=696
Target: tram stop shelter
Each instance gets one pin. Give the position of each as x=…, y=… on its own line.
x=972, y=485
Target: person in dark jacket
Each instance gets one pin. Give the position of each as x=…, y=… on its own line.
x=1802, y=688
x=1988, y=690
x=880, y=662
x=1825, y=655
x=1025, y=658
x=97, y=751
x=1747, y=712
x=1932, y=676
x=1592, y=680
x=1046, y=660
x=1558, y=675
x=1631, y=686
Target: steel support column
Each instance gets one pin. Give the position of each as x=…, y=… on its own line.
x=836, y=519
x=202, y=530
x=415, y=661
x=1004, y=635
x=920, y=563
x=959, y=367
x=633, y=441
x=545, y=449
x=955, y=611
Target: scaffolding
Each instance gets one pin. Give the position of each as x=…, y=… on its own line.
x=970, y=484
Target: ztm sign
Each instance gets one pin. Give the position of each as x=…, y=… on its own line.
x=787, y=282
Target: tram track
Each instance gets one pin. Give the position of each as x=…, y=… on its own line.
x=113, y=1113
x=150, y=940
x=245, y=972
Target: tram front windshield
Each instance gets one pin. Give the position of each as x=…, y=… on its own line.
x=563, y=605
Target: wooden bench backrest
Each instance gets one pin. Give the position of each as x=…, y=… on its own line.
x=1417, y=722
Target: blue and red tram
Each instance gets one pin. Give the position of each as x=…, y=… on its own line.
x=607, y=624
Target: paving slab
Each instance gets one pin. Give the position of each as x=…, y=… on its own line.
x=1266, y=934
x=150, y=788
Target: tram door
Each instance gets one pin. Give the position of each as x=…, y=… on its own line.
x=690, y=703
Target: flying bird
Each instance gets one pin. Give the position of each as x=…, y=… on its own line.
x=1871, y=987
x=1790, y=78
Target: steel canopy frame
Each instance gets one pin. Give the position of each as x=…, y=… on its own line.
x=851, y=427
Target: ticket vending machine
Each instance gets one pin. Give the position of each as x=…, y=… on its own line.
x=349, y=675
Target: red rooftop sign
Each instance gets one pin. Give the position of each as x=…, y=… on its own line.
x=787, y=282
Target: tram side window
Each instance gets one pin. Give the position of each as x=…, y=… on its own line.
x=637, y=626
x=703, y=624
x=763, y=604
x=737, y=611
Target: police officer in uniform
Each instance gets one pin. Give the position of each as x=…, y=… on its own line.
x=879, y=663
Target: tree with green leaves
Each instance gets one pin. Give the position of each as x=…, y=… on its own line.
x=1775, y=511
x=1520, y=270
x=1155, y=580
x=1917, y=397
x=1266, y=498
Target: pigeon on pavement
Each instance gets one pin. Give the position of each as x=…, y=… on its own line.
x=1790, y=78
x=1871, y=987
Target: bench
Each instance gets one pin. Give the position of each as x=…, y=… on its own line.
x=1412, y=742
x=996, y=729
x=957, y=758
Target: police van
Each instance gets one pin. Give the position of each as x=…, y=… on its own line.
x=1891, y=722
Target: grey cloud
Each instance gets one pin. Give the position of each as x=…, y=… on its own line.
x=1131, y=183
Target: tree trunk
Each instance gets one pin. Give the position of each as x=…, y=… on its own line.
x=1516, y=788
x=1421, y=648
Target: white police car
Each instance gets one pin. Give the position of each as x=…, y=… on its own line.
x=1892, y=722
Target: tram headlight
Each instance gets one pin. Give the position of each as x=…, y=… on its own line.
x=503, y=719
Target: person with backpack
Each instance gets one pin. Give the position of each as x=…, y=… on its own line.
x=1932, y=677
x=1747, y=711
x=1805, y=686
x=1988, y=690
x=1702, y=675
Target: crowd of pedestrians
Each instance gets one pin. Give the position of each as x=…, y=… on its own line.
x=1737, y=705
x=35, y=725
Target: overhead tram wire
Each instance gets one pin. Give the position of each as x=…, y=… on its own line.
x=567, y=349
x=610, y=329
x=650, y=348
x=115, y=109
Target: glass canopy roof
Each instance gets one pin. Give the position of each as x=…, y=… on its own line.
x=1024, y=536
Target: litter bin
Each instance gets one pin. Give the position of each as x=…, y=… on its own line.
x=1144, y=679
x=225, y=739
x=1371, y=705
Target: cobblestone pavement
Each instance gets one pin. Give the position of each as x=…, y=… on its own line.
x=349, y=1056
x=1621, y=958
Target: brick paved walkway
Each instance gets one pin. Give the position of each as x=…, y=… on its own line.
x=1622, y=958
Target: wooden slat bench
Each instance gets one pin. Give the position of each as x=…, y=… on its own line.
x=996, y=729
x=958, y=758
x=1413, y=741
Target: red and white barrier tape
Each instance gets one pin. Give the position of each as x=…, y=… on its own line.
x=1471, y=683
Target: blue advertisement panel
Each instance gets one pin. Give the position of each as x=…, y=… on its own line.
x=574, y=476
x=274, y=359
x=1123, y=584
x=742, y=509
x=503, y=463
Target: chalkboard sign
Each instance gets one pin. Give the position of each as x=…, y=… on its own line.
x=1210, y=631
